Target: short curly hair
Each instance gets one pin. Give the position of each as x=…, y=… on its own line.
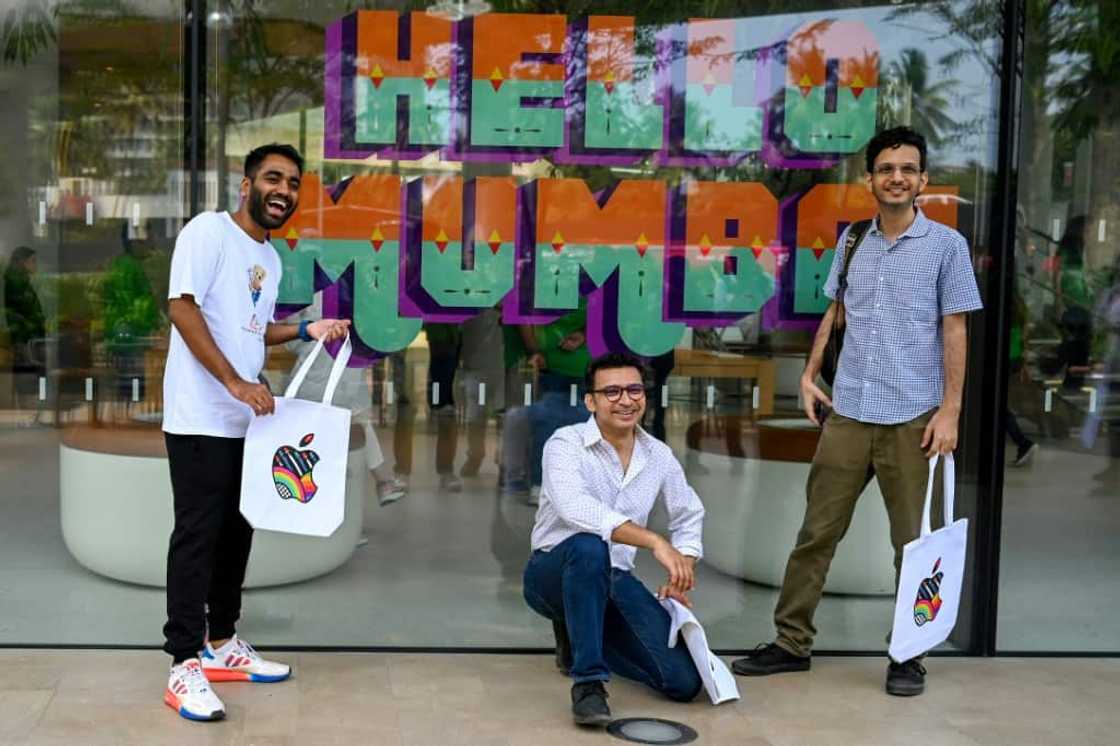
x=893, y=138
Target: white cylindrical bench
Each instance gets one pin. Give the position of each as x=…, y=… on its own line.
x=116, y=511
x=755, y=503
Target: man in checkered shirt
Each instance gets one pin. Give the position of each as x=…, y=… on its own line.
x=601, y=479
x=896, y=399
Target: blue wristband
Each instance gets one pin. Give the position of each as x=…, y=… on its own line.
x=303, y=331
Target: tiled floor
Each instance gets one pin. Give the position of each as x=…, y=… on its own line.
x=106, y=697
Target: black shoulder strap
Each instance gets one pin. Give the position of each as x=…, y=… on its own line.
x=856, y=233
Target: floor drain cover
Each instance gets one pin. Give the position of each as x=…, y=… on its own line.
x=651, y=730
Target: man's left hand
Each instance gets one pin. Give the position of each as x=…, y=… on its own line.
x=328, y=330
x=941, y=434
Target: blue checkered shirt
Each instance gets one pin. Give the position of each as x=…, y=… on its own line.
x=891, y=369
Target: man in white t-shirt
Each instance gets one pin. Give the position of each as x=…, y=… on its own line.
x=224, y=280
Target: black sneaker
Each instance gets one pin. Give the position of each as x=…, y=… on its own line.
x=906, y=679
x=770, y=658
x=589, y=704
x=563, y=647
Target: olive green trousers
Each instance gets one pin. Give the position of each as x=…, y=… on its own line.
x=848, y=455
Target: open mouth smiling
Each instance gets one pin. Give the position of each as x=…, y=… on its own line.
x=278, y=205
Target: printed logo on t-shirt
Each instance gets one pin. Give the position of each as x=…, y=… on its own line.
x=257, y=273
x=256, y=282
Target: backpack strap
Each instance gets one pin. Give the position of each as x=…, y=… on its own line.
x=855, y=236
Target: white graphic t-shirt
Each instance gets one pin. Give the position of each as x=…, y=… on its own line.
x=234, y=281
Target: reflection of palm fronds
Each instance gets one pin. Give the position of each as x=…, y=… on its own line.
x=907, y=87
x=27, y=29
x=976, y=28
x=1086, y=80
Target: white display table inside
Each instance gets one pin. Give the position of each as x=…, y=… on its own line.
x=755, y=504
x=116, y=511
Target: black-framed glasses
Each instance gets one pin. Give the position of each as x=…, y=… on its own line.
x=635, y=391
x=908, y=170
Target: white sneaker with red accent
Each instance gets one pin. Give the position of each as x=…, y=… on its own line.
x=237, y=661
x=189, y=693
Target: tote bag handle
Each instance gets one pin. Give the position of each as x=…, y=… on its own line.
x=337, y=370
x=949, y=482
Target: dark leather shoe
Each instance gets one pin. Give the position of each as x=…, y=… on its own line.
x=589, y=704
x=563, y=647
x=770, y=658
x=906, y=679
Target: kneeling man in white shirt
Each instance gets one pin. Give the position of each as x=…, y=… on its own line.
x=601, y=480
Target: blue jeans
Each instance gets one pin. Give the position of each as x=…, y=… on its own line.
x=614, y=623
x=551, y=412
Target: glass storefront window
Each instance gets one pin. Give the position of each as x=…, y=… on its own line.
x=477, y=191
x=1063, y=417
x=91, y=203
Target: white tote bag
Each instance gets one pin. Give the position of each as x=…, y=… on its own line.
x=929, y=586
x=293, y=478
x=719, y=682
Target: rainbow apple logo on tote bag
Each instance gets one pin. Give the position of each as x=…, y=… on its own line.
x=928, y=602
x=291, y=471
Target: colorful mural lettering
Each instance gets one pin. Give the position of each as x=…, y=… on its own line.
x=392, y=255
x=651, y=256
x=517, y=87
x=402, y=81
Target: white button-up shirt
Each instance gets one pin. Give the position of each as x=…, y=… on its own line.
x=585, y=491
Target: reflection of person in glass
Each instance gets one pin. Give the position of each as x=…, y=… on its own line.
x=129, y=312
x=601, y=480
x=1074, y=304
x=352, y=393
x=558, y=352
x=897, y=394
x=483, y=362
x=445, y=342
x=1025, y=448
x=26, y=324
x=220, y=326
x=1107, y=387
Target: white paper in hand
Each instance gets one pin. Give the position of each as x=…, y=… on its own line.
x=719, y=682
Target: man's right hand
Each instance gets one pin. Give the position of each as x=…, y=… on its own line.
x=810, y=395
x=678, y=566
x=256, y=395
x=668, y=591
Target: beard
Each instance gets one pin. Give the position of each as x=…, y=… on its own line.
x=259, y=213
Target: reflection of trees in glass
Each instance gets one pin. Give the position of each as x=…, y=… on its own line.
x=1085, y=79
x=119, y=113
x=26, y=29
x=910, y=97
x=272, y=65
x=976, y=28
x=262, y=66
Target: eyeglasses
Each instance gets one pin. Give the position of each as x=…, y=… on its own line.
x=909, y=170
x=635, y=391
